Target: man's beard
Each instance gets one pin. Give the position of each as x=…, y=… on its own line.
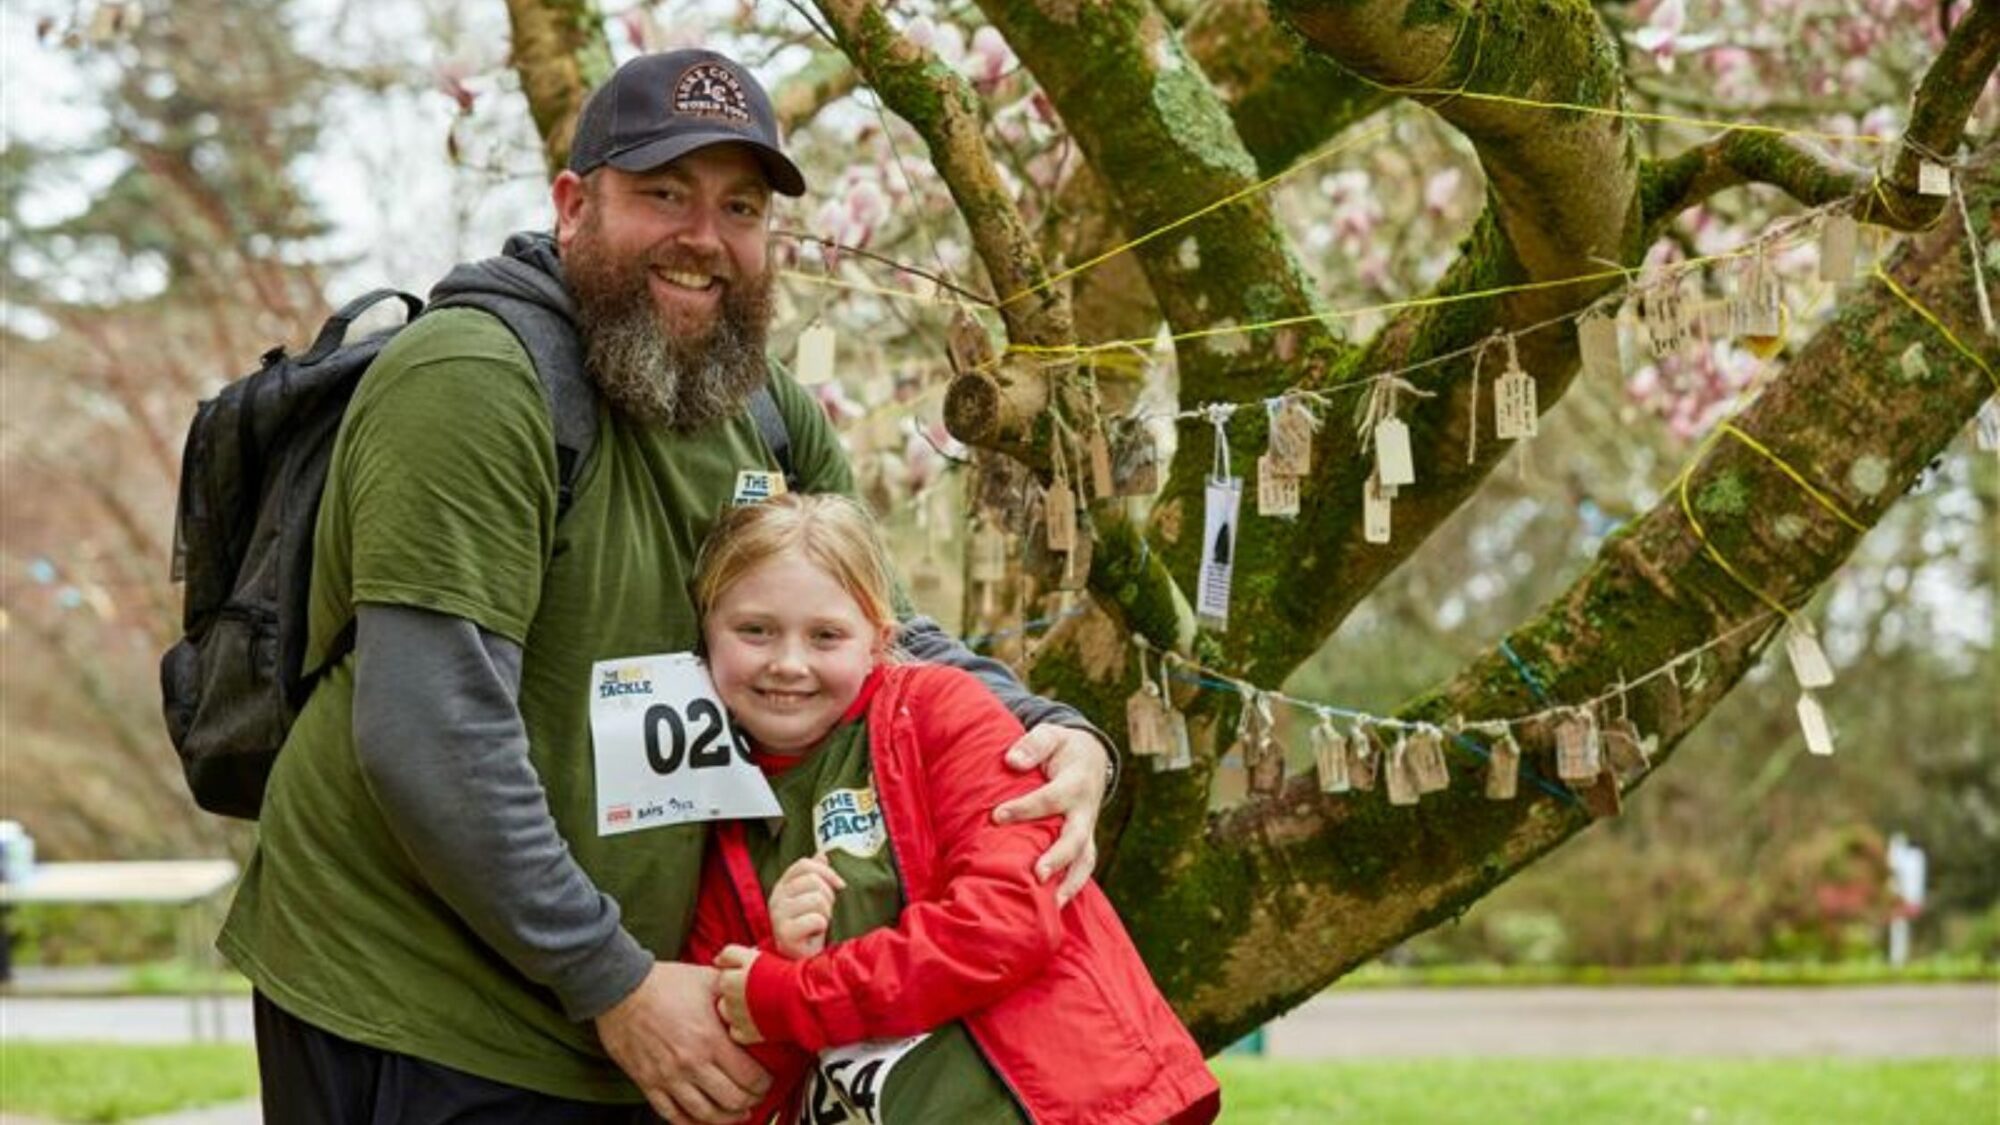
x=647, y=373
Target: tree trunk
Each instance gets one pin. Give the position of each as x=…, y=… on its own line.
x=1246, y=912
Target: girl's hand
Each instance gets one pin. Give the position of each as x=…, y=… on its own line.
x=802, y=907
x=732, y=999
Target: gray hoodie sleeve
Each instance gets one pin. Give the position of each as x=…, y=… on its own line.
x=926, y=640
x=438, y=731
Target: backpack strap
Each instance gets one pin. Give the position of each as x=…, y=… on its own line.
x=771, y=424
x=556, y=353
x=334, y=332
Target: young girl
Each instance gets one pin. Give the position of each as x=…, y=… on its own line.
x=885, y=946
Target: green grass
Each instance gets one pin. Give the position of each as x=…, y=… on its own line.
x=98, y=1082
x=114, y=1082
x=1931, y=970
x=1610, y=1092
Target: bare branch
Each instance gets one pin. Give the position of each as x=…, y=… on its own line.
x=1938, y=113
x=821, y=82
x=560, y=54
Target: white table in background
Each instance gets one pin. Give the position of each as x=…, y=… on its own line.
x=181, y=883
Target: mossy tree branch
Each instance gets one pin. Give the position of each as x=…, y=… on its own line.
x=560, y=54
x=1279, y=897
x=1137, y=105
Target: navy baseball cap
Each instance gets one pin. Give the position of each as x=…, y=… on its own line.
x=659, y=108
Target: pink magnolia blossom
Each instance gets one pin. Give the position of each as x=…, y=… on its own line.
x=1440, y=190
x=1664, y=35
x=989, y=59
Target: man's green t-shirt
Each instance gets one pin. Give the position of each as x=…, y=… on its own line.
x=442, y=496
x=830, y=806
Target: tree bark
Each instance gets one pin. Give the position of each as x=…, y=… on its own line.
x=1246, y=912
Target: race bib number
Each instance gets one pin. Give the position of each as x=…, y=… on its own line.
x=665, y=750
x=848, y=1084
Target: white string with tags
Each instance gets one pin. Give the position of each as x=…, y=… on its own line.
x=1612, y=754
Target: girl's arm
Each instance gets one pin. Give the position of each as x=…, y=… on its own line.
x=990, y=926
x=719, y=922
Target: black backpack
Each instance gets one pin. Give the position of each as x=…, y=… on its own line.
x=252, y=472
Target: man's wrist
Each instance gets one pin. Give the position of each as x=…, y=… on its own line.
x=615, y=973
x=1110, y=752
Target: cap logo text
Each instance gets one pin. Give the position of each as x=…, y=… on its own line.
x=710, y=90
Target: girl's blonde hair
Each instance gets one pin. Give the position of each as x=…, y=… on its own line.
x=833, y=532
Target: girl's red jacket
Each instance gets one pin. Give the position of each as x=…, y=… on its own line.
x=1057, y=999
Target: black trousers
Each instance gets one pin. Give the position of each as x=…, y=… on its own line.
x=314, y=1077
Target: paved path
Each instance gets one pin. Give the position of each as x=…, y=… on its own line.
x=122, y=1019
x=1880, y=1022
x=1877, y=1022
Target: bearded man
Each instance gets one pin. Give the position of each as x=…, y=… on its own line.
x=439, y=923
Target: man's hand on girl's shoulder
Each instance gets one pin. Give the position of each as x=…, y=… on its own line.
x=1078, y=767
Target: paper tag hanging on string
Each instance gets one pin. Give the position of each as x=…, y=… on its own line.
x=1760, y=302
x=1665, y=317
x=1263, y=756
x=1625, y=751
x=1597, y=341
x=1277, y=490
x=1600, y=798
x=1220, y=514
x=1330, y=757
x=1514, y=408
x=1933, y=178
x=1135, y=459
x=1394, y=466
x=1179, y=752
x=1145, y=721
x=1839, y=238
x=1363, y=762
x=1098, y=451
x=1716, y=319
x=1809, y=661
x=814, y=363
x=1397, y=775
x=1503, y=767
x=1427, y=764
x=1180, y=749
x=1374, y=512
x=1577, y=757
x=989, y=552
x=1218, y=551
x=1292, y=425
x=1812, y=719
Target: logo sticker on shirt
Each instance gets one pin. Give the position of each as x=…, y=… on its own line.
x=849, y=820
x=754, y=486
